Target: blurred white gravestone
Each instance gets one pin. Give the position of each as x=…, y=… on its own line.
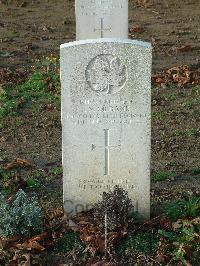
x=106, y=120
x=101, y=19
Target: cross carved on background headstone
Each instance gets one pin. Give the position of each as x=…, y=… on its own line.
x=102, y=29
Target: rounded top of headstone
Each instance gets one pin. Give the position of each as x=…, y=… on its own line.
x=146, y=45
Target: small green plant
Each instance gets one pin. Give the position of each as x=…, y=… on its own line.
x=5, y=174
x=22, y=216
x=6, y=191
x=13, y=34
x=143, y=242
x=41, y=88
x=189, y=104
x=198, y=100
x=183, y=209
x=69, y=241
x=162, y=176
x=182, y=241
x=172, y=96
x=56, y=171
x=170, y=235
x=173, y=163
x=192, y=132
x=158, y=115
x=196, y=171
x=33, y=183
x=177, y=133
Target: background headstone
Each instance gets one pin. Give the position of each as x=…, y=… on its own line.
x=101, y=19
x=106, y=107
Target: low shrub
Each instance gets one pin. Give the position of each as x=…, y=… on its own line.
x=23, y=216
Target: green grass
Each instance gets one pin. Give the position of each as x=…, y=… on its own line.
x=41, y=88
x=192, y=132
x=5, y=175
x=179, y=242
x=181, y=209
x=196, y=171
x=13, y=34
x=161, y=176
x=33, y=183
x=183, y=241
x=68, y=242
x=56, y=171
x=142, y=242
x=159, y=115
x=177, y=133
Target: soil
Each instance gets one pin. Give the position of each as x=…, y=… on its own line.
x=31, y=30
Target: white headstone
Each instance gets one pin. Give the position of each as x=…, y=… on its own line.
x=101, y=19
x=106, y=107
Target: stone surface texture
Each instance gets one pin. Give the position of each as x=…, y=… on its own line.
x=106, y=107
x=101, y=19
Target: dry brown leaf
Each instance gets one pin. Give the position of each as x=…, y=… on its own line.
x=137, y=29
x=84, y=222
x=181, y=80
x=173, y=70
x=21, y=101
x=181, y=75
x=113, y=237
x=100, y=263
x=18, y=163
x=160, y=80
x=177, y=225
x=144, y=3
x=39, y=237
x=33, y=245
x=196, y=221
x=100, y=244
x=183, y=49
x=27, y=262
x=162, y=258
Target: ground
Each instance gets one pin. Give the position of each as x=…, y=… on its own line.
x=35, y=28
x=30, y=31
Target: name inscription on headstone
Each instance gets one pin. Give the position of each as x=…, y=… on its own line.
x=108, y=112
x=101, y=7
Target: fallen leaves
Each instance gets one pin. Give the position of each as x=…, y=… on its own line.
x=15, y=182
x=10, y=77
x=101, y=263
x=144, y=3
x=180, y=75
x=24, y=260
x=35, y=244
x=94, y=237
x=184, y=48
x=162, y=258
x=6, y=243
x=31, y=245
x=18, y=163
x=165, y=223
x=137, y=29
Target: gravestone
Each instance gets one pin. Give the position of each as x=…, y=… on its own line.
x=101, y=19
x=106, y=107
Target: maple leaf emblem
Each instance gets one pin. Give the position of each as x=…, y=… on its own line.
x=106, y=73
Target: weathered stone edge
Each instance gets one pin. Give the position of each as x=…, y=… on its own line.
x=146, y=45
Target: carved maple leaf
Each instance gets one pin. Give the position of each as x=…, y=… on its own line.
x=117, y=73
x=107, y=74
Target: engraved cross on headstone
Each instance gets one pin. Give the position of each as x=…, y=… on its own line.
x=102, y=29
x=107, y=150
